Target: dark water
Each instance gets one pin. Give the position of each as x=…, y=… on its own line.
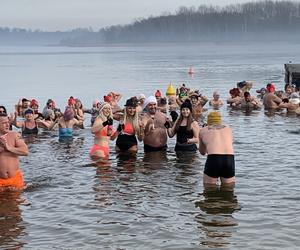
x=152, y=201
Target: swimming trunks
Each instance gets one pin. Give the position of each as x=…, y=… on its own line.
x=125, y=142
x=96, y=147
x=186, y=147
x=148, y=148
x=13, y=182
x=220, y=166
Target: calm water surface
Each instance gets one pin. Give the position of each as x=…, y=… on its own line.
x=151, y=201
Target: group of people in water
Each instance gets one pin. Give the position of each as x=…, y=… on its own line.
x=150, y=120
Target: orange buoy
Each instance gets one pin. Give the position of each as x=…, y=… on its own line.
x=191, y=71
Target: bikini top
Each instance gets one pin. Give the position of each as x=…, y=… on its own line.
x=30, y=131
x=103, y=132
x=128, y=129
x=65, y=132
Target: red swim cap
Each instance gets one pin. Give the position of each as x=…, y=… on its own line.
x=271, y=88
x=71, y=101
x=34, y=102
x=107, y=98
x=157, y=94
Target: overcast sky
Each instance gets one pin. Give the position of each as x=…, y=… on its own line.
x=54, y=15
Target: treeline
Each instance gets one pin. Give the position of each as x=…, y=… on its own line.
x=250, y=21
x=253, y=21
x=17, y=36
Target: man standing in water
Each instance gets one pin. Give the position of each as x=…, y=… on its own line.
x=11, y=147
x=270, y=100
x=155, y=133
x=216, y=142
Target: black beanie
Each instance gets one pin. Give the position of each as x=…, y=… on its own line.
x=186, y=104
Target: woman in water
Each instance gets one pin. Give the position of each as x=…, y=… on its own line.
x=29, y=126
x=186, y=129
x=216, y=102
x=103, y=131
x=50, y=122
x=79, y=114
x=66, y=124
x=128, y=128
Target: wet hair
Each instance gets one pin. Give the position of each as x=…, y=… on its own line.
x=4, y=110
x=247, y=94
x=163, y=101
x=69, y=114
x=190, y=119
x=78, y=101
x=235, y=92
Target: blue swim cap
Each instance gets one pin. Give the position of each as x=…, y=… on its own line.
x=28, y=111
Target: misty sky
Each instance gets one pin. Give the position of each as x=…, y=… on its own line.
x=54, y=15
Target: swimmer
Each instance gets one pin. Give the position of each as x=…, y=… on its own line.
x=128, y=128
x=155, y=133
x=29, y=126
x=66, y=124
x=216, y=141
x=103, y=131
x=186, y=128
x=11, y=147
x=270, y=100
x=216, y=102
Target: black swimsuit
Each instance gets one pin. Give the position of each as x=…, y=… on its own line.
x=125, y=142
x=30, y=131
x=182, y=136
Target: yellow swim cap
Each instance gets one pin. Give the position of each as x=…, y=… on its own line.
x=170, y=90
x=214, y=118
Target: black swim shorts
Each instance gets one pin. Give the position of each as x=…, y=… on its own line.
x=220, y=166
x=148, y=148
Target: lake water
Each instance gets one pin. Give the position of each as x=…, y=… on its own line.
x=152, y=201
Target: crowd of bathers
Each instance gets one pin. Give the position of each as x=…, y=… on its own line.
x=73, y=116
x=150, y=120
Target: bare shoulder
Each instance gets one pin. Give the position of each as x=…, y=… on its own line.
x=203, y=130
x=161, y=115
x=14, y=134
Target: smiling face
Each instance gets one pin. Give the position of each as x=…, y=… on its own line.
x=130, y=110
x=194, y=100
x=185, y=112
x=106, y=111
x=152, y=108
x=29, y=116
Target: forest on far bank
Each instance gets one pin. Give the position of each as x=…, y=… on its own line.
x=254, y=21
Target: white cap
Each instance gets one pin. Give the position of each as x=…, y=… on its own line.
x=141, y=96
x=150, y=99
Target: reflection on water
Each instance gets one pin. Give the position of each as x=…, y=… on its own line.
x=216, y=220
x=11, y=222
x=155, y=160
